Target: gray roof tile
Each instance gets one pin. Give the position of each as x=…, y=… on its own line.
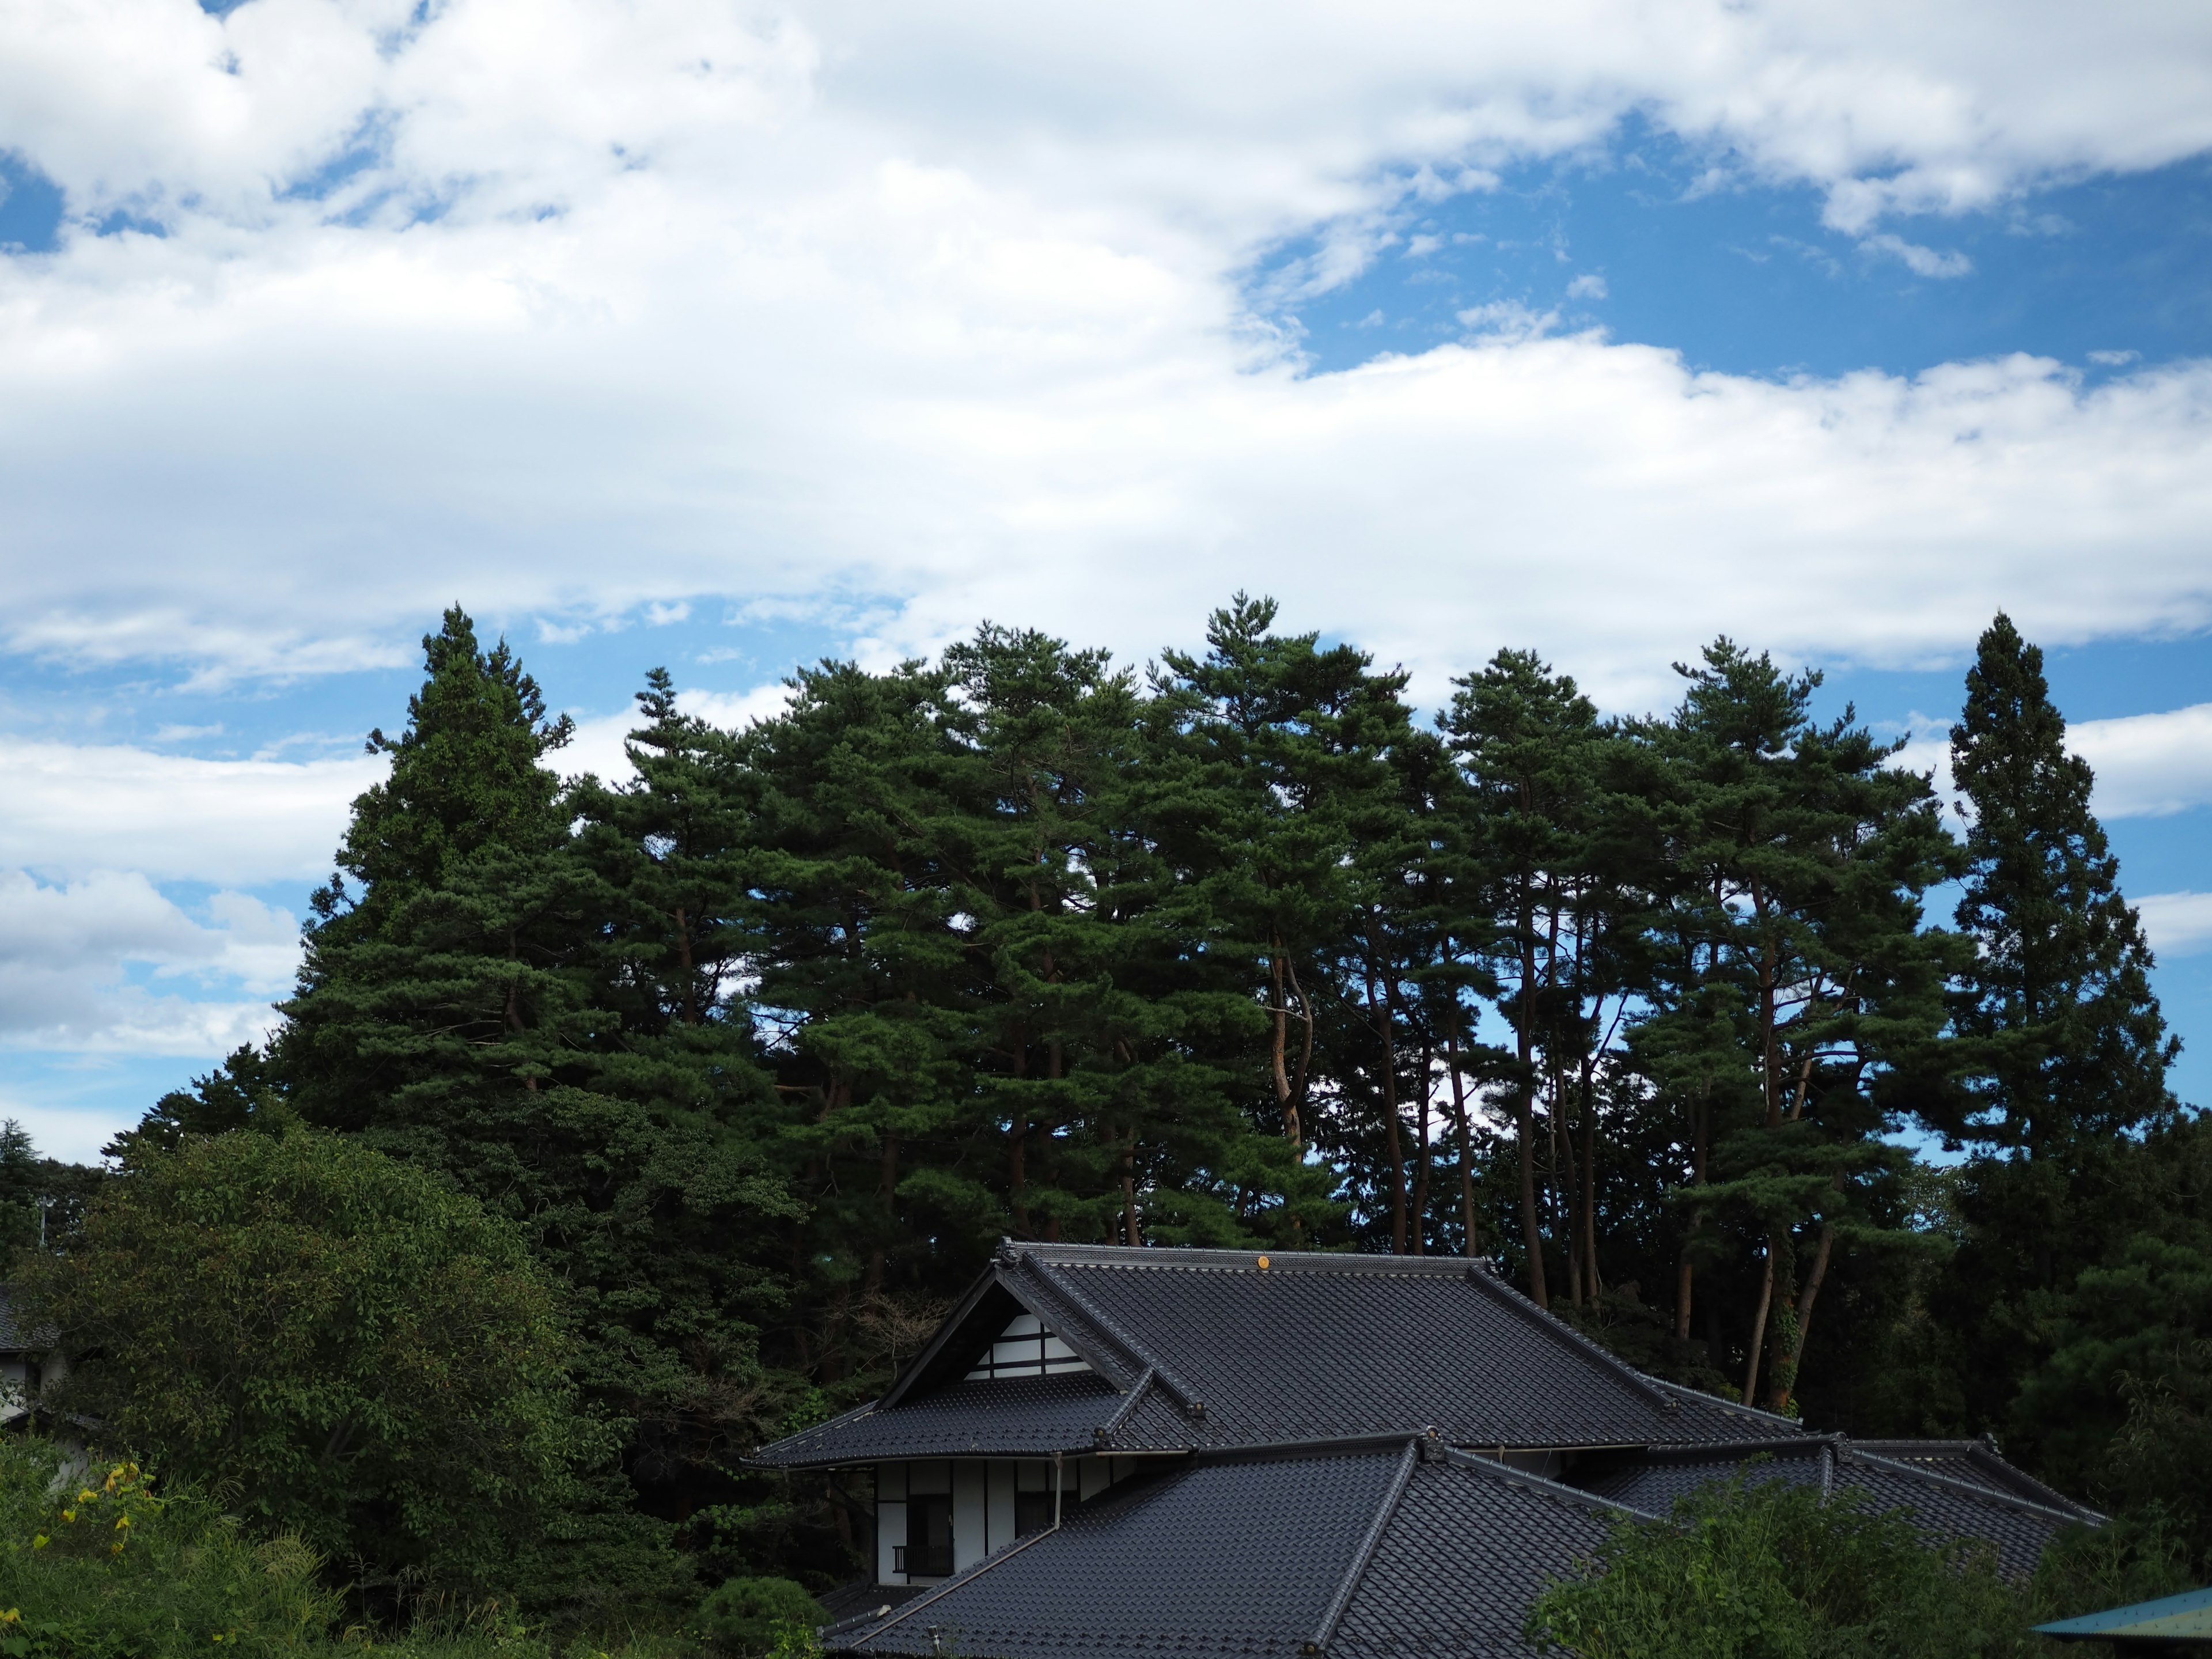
x=1364, y=1549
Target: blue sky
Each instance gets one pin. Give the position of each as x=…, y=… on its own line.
x=727, y=339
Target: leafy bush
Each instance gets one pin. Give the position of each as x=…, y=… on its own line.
x=94, y=1563
x=348, y=1348
x=761, y=1616
x=1768, y=1571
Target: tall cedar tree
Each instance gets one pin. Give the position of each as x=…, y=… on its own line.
x=2062, y=1047
x=490, y=1002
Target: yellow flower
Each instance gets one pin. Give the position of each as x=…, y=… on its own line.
x=68, y=1515
x=86, y=1496
x=11, y=1616
x=39, y=1542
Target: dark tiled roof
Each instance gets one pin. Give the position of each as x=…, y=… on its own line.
x=1471, y=1547
x=1011, y=1417
x=1977, y=1463
x=1655, y=1479
x=1958, y=1509
x=1221, y=1353
x=1364, y=1549
x=1988, y=1507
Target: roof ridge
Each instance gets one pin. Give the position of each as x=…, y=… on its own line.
x=1184, y=1255
x=1704, y=1451
x=1476, y=1463
x=1127, y=1408
x=1732, y=1405
x=919, y=1365
x=1331, y=1445
x=1366, y=1552
x=1026, y=1284
x=1545, y=1319
x=1980, y=1453
x=1166, y=1377
x=1971, y=1489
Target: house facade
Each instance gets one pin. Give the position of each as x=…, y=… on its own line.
x=1108, y=1448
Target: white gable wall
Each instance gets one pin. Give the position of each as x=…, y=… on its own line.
x=1026, y=1348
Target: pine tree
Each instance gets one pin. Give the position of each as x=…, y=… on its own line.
x=1804, y=983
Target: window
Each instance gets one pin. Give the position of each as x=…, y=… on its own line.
x=928, y=1552
x=1026, y=1348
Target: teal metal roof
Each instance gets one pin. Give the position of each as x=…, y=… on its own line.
x=2186, y=1618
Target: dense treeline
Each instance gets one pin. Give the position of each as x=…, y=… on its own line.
x=762, y=1049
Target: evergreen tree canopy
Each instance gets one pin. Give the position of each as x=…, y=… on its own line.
x=2065, y=1040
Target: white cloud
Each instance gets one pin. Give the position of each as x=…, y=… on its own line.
x=1588, y=286
x=1921, y=261
x=2114, y=359
x=2148, y=765
x=2177, y=923
x=75, y=809
x=67, y=955
x=933, y=312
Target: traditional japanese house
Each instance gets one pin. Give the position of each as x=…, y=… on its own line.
x=1108, y=1449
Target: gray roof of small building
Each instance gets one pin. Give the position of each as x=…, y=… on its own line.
x=1384, y=1548
x=1207, y=1349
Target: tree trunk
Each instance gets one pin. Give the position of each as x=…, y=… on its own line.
x=1421, y=1158
x=1595, y=1282
x=1785, y=1384
x=1686, y=1274
x=1379, y=1002
x=1280, y=1057
x=1132, y=1236
x=1466, y=1144
x=1532, y=1234
x=1759, y=1324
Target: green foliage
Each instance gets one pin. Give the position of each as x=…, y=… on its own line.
x=2060, y=1050
x=361, y=1355
x=93, y=1565
x=758, y=1617
x=545, y=1019
x=41, y=1199
x=1752, y=1570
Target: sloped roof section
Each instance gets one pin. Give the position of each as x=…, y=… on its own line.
x=1977, y=1463
x=1470, y=1546
x=1211, y=1349
x=1653, y=1480
x=1946, y=1507
x=1957, y=1509
x=1365, y=1549
x=1011, y=1417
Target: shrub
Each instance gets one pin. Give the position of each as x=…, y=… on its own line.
x=761, y=1616
x=355, y=1351
x=1768, y=1571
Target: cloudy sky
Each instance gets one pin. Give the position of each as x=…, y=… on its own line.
x=723, y=336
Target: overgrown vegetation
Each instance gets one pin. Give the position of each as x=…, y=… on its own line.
x=1758, y=1568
